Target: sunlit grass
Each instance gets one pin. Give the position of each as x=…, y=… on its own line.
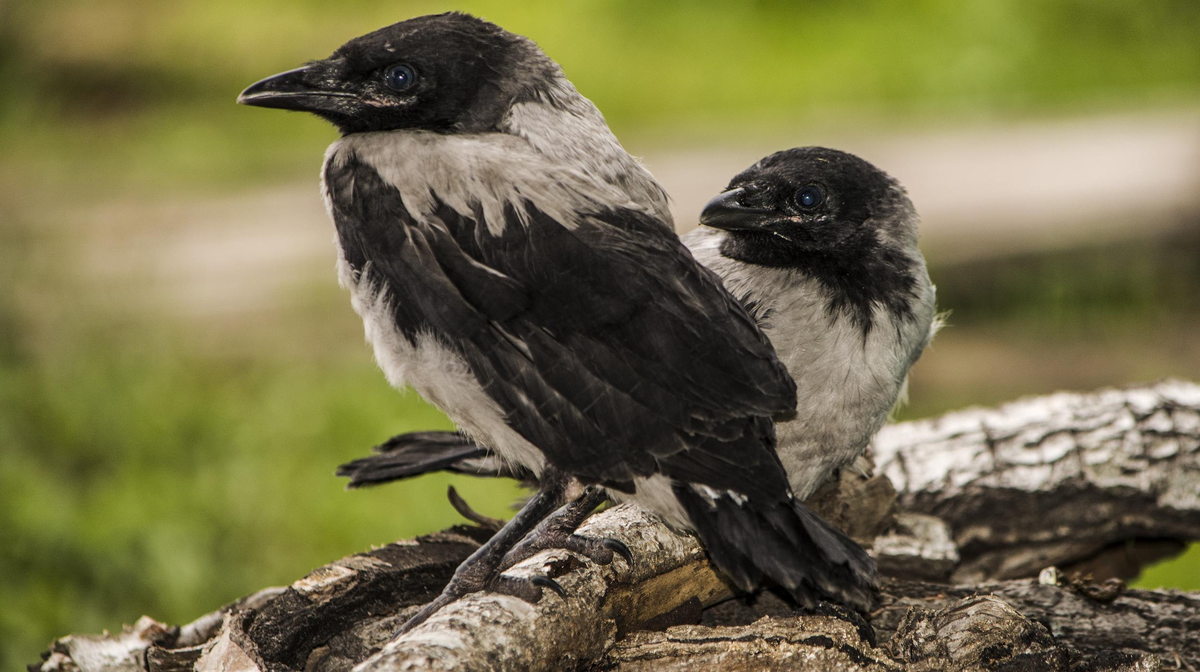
x=138, y=478
x=1181, y=573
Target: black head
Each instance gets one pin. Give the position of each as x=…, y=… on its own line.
x=809, y=200
x=445, y=73
x=830, y=214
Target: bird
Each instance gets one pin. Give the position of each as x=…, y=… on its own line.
x=822, y=248
x=513, y=264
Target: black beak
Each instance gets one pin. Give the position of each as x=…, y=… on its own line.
x=304, y=89
x=727, y=212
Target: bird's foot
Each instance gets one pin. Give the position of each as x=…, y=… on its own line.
x=558, y=531
x=556, y=535
x=482, y=571
x=598, y=550
x=529, y=589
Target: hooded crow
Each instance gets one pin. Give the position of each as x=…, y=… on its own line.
x=821, y=247
x=514, y=265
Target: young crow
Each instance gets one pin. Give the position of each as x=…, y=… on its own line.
x=514, y=265
x=821, y=247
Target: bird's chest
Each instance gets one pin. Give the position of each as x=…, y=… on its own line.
x=847, y=379
x=393, y=254
x=848, y=383
x=412, y=317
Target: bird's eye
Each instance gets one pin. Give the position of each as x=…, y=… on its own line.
x=400, y=78
x=810, y=197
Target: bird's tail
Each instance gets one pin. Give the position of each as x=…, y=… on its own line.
x=785, y=542
x=417, y=453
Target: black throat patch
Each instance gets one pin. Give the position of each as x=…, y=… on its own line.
x=858, y=274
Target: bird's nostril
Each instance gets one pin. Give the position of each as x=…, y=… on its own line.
x=753, y=196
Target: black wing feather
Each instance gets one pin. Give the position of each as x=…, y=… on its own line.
x=416, y=453
x=607, y=345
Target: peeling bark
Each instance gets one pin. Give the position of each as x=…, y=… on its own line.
x=980, y=495
x=1164, y=623
x=669, y=572
x=1052, y=480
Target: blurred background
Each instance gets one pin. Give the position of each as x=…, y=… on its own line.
x=180, y=374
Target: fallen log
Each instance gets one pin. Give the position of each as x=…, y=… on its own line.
x=1104, y=468
x=1053, y=480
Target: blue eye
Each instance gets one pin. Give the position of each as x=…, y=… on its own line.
x=809, y=197
x=400, y=78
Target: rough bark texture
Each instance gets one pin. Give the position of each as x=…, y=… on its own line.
x=979, y=496
x=1093, y=627
x=1052, y=480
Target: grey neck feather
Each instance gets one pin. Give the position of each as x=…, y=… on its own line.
x=567, y=128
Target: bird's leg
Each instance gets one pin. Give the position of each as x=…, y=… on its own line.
x=479, y=571
x=558, y=531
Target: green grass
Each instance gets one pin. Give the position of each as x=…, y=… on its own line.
x=138, y=478
x=1180, y=572
x=162, y=465
x=130, y=95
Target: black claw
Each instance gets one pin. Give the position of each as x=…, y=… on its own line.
x=617, y=546
x=547, y=582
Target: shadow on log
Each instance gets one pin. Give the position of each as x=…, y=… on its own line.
x=980, y=497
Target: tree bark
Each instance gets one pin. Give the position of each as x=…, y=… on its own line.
x=979, y=496
x=1053, y=480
